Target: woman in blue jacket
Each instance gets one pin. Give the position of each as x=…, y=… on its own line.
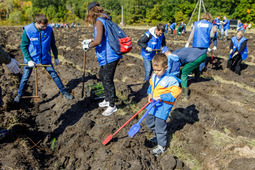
x=106, y=57
x=238, y=52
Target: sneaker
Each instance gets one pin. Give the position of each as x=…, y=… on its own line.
x=154, y=139
x=67, y=96
x=110, y=110
x=104, y=104
x=158, y=150
x=17, y=99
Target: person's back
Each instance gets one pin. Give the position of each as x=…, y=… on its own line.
x=173, y=65
x=201, y=37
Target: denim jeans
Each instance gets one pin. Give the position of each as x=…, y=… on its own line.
x=27, y=72
x=147, y=69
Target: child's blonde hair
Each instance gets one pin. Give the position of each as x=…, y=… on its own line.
x=159, y=59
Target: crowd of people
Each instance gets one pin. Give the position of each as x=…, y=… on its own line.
x=162, y=69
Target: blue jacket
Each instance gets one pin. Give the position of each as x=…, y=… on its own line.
x=105, y=54
x=202, y=32
x=173, y=65
x=244, y=53
x=168, y=89
x=240, y=27
x=39, y=46
x=216, y=23
x=227, y=25
x=172, y=26
x=166, y=27
x=188, y=55
x=154, y=43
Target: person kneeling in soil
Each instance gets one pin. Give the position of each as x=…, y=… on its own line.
x=151, y=40
x=106, y=57
x=238, y=52
x=36, y=43
x=190, y=58
x=173, y=62
x=166, y=88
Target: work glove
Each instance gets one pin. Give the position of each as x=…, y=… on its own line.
x=230, y=52
x=209, y=49
x=13, y=66
x=214, y=48
x=148, y=49
x=56, y=61
x=187, y=45
x=234, y=55
x=85, y=44
x=31, y=63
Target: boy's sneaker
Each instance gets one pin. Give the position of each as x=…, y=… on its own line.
x=17, y=99
x=154, y=139
x=104, y=104
x=110, y=110
x=67, y=96
x=158, y=150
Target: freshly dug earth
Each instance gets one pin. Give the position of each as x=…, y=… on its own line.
x=214, y=129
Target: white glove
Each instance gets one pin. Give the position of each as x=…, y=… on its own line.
x=187, y=45
x=13, y=66
x=87, y=41
x=56, y=61
x=230, y=52
x=31, y=63
x=85, y=47
x=214, y=48
x=234, y=55
x=209, y=49
x=85, y=44
x=148, y=49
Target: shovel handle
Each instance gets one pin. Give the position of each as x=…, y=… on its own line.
x=37, y=65
x=154, y=102
x=131, y=118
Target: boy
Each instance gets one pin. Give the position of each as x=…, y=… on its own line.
x=173, y=62
x=166, y=88
x=152, y=40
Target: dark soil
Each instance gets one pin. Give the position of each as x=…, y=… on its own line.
x=214, y=129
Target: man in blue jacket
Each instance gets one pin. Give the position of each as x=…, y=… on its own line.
x=226, y=27
x=36, y=44
x=151, y=41
x=172, y=27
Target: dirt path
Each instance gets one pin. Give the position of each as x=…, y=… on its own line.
x=214, y=129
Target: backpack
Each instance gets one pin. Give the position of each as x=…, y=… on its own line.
x=118, y=40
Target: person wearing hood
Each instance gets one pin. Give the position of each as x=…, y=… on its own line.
x=151, y=41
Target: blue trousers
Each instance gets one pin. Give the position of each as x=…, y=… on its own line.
x=158, y=126
x=147, y=69
x=27, y=72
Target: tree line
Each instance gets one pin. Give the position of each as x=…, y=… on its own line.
x=135, y=11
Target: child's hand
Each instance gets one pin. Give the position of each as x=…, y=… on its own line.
x=149, y=97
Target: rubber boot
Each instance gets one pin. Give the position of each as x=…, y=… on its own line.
x=221, y=37
x=185, y=92
x=226, y=38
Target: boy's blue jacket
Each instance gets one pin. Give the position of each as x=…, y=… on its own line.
x=167, y=87
x=155, y=43
x=244, y=53
x=39, y=46
x=202, y=32
x=105, y=54
x=173, y=65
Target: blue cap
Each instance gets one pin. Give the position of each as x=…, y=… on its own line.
x=165, y=49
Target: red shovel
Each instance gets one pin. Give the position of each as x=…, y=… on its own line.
x=111, y=135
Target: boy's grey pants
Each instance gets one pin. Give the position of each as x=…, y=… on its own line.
x=158, y=126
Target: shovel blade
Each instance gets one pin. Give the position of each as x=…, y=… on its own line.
x=134, y=130
x=107, y=139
